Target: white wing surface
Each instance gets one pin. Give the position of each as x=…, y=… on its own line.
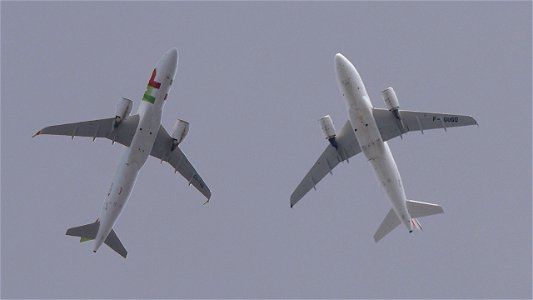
x=330, y=158
x=178, y=160
x=103, y=128
x=390, y=127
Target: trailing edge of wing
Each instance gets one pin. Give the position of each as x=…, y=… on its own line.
x=178, y=160
x=103, y=128
x=390, y=127
x=330, y=158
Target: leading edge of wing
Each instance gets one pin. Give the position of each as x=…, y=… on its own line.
x=178, y=161
x=390, y=127
x=347, y=146
x=101, y=128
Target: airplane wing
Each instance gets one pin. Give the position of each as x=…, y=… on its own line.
x=102, y=128
x=390, y=127
x=330, y=158
x=178, y=160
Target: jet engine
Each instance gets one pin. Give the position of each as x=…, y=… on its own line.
x=329, y=129
x=392, y=103
x=123, y=110
x=179, y=131
x=389, y=96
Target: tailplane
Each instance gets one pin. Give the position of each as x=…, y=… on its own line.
x=88, y=232
x=419, y=209
x=416, y=209
x=390, y=222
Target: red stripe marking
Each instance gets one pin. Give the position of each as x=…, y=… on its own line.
x=152, y=81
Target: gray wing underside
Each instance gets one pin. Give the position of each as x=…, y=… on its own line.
x=123, y=134
x=390, y=127
x=102, y=128
x=330, y=158
x=178, y=160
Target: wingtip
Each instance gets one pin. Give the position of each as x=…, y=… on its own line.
x=36, y=134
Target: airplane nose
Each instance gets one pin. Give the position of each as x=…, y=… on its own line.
x=340, y=60
x=345, y=69
x=172, y=56
x=342, y=68
x=168, y=62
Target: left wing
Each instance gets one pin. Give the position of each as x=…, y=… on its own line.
x=178, y=160
x=390, y=127
x=347, y=146
x=103, y=128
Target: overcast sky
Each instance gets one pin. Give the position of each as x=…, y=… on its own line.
x=253, y=79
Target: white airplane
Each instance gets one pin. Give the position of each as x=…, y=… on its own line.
x=368, y=130
x=143, y=135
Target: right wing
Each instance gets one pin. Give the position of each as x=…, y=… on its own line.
x=390, y=127
x=176, y=158
x=103, y=128
x=330, y=158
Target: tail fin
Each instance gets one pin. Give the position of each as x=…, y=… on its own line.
x=415, y=224
x=88, y=232
x=390, y=222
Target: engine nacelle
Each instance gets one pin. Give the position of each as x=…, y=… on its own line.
x=123, y=110
x=329, y=129
x=389, y=96
x=179, y=132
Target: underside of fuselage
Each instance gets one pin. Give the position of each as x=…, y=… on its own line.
x=134, y=157
x=369, y=138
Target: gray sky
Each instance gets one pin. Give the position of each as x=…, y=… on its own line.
x=253, y=79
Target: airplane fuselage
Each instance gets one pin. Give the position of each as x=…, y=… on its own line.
x=369, y=138
x=136, y=154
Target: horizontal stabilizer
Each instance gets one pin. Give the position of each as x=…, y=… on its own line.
x=419, y=209
x=114, y=243
x=85, y=232
x=390, y=222
x=88, y=232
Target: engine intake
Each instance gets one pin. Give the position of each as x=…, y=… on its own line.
x=123, y=110
x=329, y=130
x=179, y=132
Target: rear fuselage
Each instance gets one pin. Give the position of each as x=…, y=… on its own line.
x=369, y=137
x=135, y=155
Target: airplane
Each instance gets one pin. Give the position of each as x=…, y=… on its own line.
x=143, y=135
x=368, y=130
